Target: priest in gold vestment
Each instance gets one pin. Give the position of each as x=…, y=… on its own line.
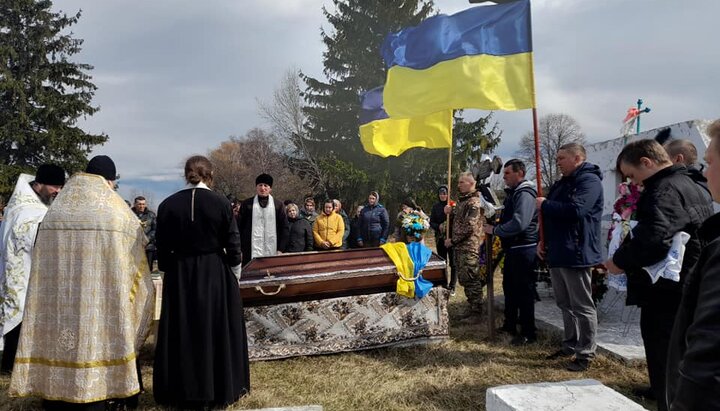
x=89, y=300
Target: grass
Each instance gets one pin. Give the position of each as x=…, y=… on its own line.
x=452, y=375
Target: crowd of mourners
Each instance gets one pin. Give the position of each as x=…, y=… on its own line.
x=76, y=296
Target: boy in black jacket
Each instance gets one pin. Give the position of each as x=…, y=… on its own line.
x=670, y=202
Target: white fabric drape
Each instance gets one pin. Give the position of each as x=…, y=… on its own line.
x=263, y=240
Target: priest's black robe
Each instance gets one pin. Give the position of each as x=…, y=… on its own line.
x=282, y=227
x=201, y=358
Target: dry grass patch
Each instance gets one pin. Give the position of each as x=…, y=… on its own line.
x=451, y=375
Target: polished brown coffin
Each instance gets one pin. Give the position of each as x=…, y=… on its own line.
x=315, y=275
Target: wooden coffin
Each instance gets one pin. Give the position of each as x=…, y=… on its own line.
x=316, y=275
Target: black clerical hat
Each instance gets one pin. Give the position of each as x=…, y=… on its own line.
x=264, y=179
x=102, y=166
x=51, y=175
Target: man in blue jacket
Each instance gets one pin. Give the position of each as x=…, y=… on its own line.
x=572, y=246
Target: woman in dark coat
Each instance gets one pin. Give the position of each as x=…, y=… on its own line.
x=201, y=358
x=374, y=223
x=301, y=236
x=437, y=218
x=355, y=228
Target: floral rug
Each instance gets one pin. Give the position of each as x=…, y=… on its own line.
x=345, y=324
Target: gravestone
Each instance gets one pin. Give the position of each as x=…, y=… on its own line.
x=295, y=408
x=581, y=395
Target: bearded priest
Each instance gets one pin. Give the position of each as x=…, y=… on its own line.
x=23, y=214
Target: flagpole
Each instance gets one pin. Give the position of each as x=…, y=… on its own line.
x=447, y=224
x=536, y=135
x=537, y=170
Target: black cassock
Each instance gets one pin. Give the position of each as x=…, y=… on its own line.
x=201, y=358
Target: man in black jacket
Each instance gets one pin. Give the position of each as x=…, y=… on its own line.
x=518, y=231
x=572, y=213
x=693, y=371
x=684, y=152
x=671, y=202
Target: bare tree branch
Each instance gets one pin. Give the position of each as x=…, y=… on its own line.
x=238, y=161
x=555, y=130
x=285, y=114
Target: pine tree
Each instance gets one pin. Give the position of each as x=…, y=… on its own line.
x=473, y=139
x=353, y=65
x=42, y=92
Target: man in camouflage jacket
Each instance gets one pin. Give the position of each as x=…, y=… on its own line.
x=466, y=236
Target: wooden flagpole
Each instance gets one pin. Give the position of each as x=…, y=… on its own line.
x=536, y=133
x=447, y=219
x=538, y=176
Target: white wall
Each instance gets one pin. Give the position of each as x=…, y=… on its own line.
x=605, y=153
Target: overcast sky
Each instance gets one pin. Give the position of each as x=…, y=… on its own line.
x=176, y=78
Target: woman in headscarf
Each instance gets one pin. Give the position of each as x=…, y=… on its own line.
x=437, y=218
x=301, y=234
x=374, y=223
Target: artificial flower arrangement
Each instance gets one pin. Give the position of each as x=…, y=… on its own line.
x=626, y=204
x=623, y=221
x=414, y=224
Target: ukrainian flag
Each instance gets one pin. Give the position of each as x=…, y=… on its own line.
x=478, y=58
x=384, y=136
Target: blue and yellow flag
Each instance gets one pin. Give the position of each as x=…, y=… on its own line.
x=409, y=259
x=478, y=58
x=383, y=136
x=399, y=255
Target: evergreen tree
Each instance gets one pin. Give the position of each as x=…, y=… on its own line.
x=471, y=140
x=42, y=92
x=353, y=64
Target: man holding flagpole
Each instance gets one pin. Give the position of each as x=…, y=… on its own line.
x=466, y=236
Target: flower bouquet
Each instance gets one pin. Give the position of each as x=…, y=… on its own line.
x=626, y=204
x=414, y=225
x=623, y=221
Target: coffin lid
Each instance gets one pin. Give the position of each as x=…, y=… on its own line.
x=323, y=265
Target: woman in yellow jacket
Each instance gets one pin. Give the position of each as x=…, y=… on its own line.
x=328, y=228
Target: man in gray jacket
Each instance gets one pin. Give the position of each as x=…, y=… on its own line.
x=518, y=231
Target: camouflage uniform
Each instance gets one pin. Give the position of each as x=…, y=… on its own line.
x=467, y=236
